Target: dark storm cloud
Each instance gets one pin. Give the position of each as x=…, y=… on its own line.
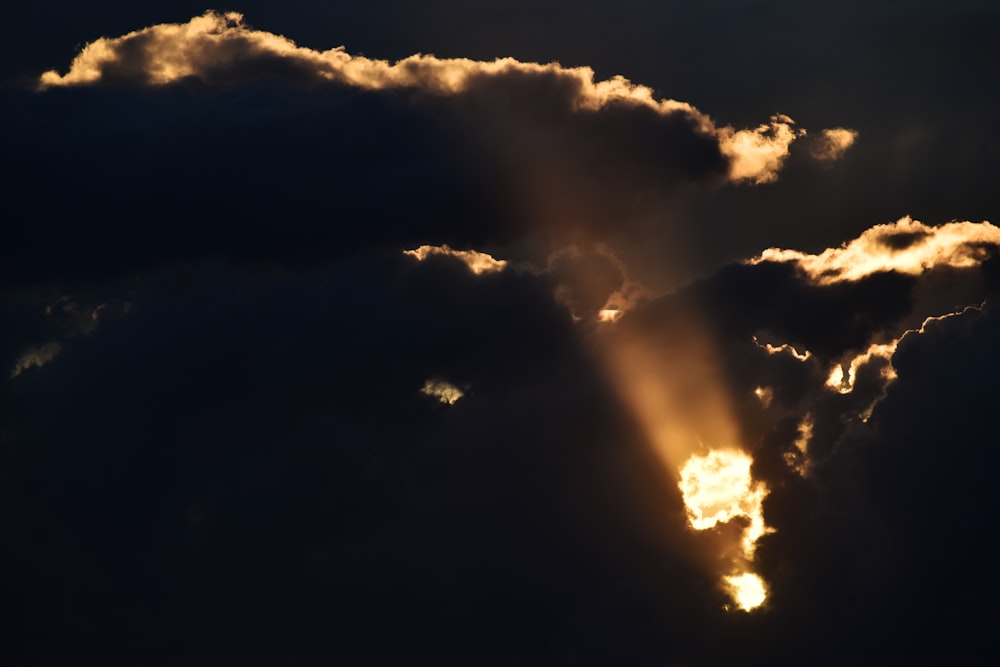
x=249, y=458
x=215, y=138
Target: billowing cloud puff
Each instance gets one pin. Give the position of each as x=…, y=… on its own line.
x=906, y=246
x=757, y=155
x=218, y=48
x=832, y=143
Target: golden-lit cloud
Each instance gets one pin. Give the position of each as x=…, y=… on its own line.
x=906, y=246
x=757, y=155
x=784, y=348
x=478, y=262
x=35, y=357
x=831, y=144
x=443, y=391
x=797, y=459
x=219, y=47
x=843, y=376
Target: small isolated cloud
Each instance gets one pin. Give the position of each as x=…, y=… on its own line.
x=757, y=155
x=443, y=391
x=478, y=262
x=832, y=143
x=905, y=246
x=36, y=357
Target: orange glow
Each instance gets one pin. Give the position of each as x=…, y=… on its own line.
x=747, y=590
x=478, y=262
x=609, y=315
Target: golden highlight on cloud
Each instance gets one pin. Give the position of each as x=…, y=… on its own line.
x=783, y=348
x=218, y=47
x=842, y=377
x=757, y=155
x=478, y=262
x=443, y=391
x=797, y=459
x=906, y=246
x=832, y=143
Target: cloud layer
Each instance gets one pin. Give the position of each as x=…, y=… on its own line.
x=314, y=358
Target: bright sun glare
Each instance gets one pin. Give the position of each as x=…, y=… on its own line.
x=718, y=487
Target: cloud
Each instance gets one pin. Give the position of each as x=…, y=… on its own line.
x=442, y=390
x=757, y=155
x=906, y=246
x=832, y=143
x=478, y=262
x=35, y=357
x=220, y=49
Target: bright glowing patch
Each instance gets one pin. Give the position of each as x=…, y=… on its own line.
x=609, y=315
x=443, y=391
x=478, y=262
x=747, y=590
x=765, y=395
x=717, y=488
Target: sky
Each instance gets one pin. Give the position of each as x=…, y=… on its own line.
x=457, y=333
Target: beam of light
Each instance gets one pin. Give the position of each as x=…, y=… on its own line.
x=748, y=590
x=478, y=262
x=443, y=391
x=215, y=47
x=906, y=246
x=35, y=357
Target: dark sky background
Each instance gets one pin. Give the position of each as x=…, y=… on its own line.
x=214, y=448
